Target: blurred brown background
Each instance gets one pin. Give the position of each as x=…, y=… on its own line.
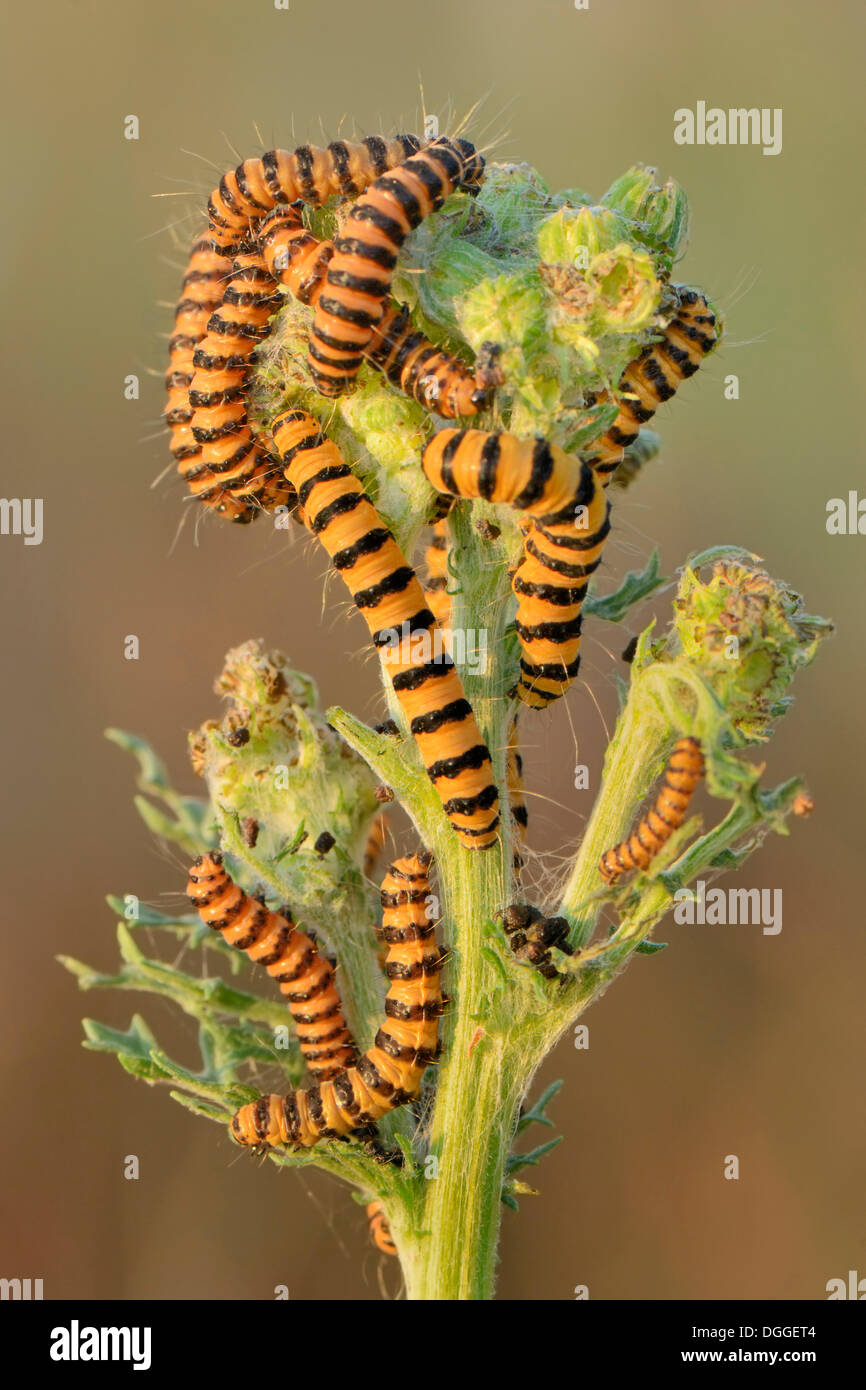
x=729, y=1042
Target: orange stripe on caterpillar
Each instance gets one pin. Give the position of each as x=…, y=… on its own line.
x=391, y=601
x=565, y=526
x=653, y=377
x=380, y=1231
x=682, y=775
x=389, y=1074
x=289, y=955
x=358, y=282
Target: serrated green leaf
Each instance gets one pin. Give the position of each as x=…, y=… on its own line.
x=201, y=1107
x=637, y=585
x=537, y=1114
x=650, y=948
x=138, y=1040
x=532, y=1157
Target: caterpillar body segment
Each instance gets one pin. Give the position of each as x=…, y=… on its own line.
x=681, y=777
x=358, y=282
x=565, y=524
x=654, y=377
x=289, y=955
x=389, y=1074
x=404, y=630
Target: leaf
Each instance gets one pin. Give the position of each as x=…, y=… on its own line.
x=138, y=1041
x=150, y=916
x=537, y=1114
x=637, y=585
x=201, y=1107
x=650, y=948
x=532, y=1157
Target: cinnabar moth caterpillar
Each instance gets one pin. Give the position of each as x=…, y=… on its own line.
x=405, y=632
x=564, y=532
x=203, y=288
x=308, y=174
x=233, y=471
x=653, y=377
x=288, y=954
x=434, y=378
x=682, y=775
x=358, y=281
x=375, y=844
x=380, y=1231
x=531, y=935
x=435, y=585
x=389, y=1074
x=293, y=255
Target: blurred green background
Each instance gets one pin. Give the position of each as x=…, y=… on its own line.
x=729, y=1042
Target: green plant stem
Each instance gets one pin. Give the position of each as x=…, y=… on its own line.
x=638, y=742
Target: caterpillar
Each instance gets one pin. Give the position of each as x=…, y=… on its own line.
x=358, y=280
x=288, y=954
x=404, y=630
x=436, y=560
x=531, y=935
x=682, y=775
x=380, y=1231
x=653, y=377
x=567, y=521
x=292, y=255
x=375, y=844
x=234, y=470
x=435, y=379
x=202, y=292
x=308, y=174
x=389, y=1074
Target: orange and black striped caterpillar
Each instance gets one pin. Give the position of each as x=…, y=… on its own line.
x=375, y=844
x=653, y=377
x=380, y=1231
x=309, y=174
x=566, y=523
x=404, y=630
x=234, y=471
x=289, y=955
x=358, y=279
x=389, y=1073
x=531, y=935
x=201, y=294
x=436, y=583
x=682, y=775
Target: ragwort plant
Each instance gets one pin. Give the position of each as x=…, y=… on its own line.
x=569, y=290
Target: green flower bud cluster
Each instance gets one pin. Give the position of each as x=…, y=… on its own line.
x=294, y=803
x=747, y=633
